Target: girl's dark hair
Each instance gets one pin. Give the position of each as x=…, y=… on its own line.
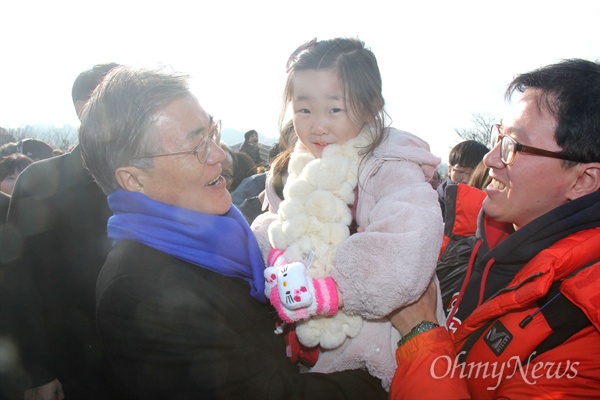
x=243, y=167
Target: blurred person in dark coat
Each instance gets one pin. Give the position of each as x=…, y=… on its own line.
x=53, y=247
x=250, y=147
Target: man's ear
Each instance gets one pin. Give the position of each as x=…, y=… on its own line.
x=129, y=178
x=588, y=181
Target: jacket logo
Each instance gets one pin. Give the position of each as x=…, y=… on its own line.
x=498, y=337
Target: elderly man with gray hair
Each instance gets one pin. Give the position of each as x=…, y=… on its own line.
x=180, y=300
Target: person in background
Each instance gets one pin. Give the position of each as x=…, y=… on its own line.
x=480, y=178
x=51, y=255
x=462, y=204
x=278, y=172
x=35, y=149
x=244, y=167
x=11, y=167
x=8, y=148
x=180, y=299
x=274, y=151
x=32, y=148
x=526, y=322
x=250, y=147
x=462, y=160
x=435, y=180
x=227, y=165
x=250, y=195
x=237, y=166
x=4, y=204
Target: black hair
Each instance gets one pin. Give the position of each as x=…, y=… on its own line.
x=13, y=163
x=570, y=90
x=467, y=154
x=88, y=80
x=243, y=167
x=250, y=133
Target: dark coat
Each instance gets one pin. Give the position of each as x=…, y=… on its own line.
x=463, y=204
x=441, y=189
x=253, y=151
x=51, y=261
x=245, y=196
x=176, y=330
x=4, y=203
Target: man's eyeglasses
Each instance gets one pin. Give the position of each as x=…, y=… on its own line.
x=509, y=148
x=202, y=150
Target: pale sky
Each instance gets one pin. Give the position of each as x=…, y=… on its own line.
x=441, y=61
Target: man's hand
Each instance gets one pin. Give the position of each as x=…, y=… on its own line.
x=50, y=391
x=404, y=319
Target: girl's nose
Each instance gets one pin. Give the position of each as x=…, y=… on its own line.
x=320, y=128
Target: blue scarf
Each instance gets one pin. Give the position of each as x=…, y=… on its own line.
x=220, y=243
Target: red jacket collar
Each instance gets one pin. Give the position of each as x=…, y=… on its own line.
x=496, y=232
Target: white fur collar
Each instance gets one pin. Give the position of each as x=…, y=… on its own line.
x=315, y=215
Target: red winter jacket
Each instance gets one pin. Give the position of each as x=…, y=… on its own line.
x=500, y=363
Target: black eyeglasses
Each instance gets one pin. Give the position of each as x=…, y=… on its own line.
x=202, y=150
x=509, y=148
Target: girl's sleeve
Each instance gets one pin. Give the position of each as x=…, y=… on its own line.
x=260, y=228
x=390, y=264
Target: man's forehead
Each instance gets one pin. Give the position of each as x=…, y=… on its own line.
x=528, y=115
x=524, y=103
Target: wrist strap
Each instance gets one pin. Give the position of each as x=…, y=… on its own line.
x=423, y=326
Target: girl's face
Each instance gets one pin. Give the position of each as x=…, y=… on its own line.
x=320, y=114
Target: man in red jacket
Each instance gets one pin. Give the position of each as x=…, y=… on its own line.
x=527, y=322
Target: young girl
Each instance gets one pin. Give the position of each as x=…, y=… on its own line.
x=348, y=170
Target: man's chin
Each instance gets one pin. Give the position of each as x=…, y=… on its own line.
x=489, y=208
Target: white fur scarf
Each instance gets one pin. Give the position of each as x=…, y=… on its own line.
x=315, y=215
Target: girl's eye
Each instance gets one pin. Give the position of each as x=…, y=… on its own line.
x=303, y=111
x=336, y=110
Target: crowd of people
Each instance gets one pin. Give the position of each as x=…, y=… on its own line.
x=152, y=261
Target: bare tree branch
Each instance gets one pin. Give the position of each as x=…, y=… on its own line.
x=59, y=138
x=480, y=129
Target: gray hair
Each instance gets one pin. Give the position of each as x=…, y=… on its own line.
x=118, y=124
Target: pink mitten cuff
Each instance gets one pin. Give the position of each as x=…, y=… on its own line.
x=274, y=262
x=324, y=295
x=273, y=258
